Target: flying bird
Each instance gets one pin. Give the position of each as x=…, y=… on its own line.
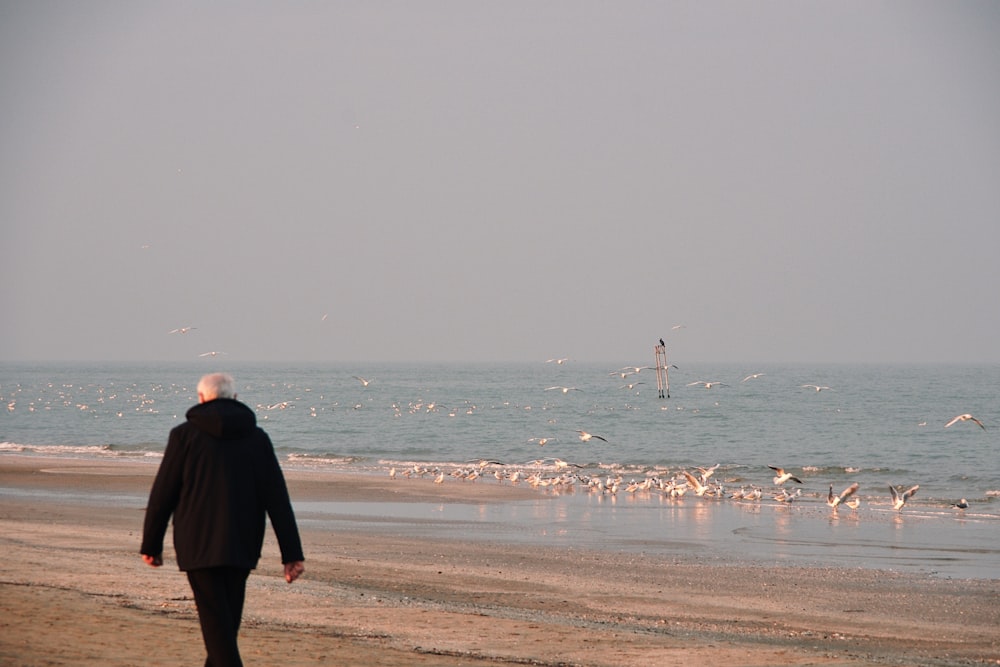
x=899, y=498
x=817, y=387
x=558, y=362
x=364, y=381
x=695, y=484
x=631, y=386
x=783, y=476
x=833, y=500
x=182, y=330
x=564, y=390
x=707, y=385
x=754, y=376
x=965, y=418
x=585, y=437
x=213, y=353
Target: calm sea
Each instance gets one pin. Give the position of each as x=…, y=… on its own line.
x=877, y=425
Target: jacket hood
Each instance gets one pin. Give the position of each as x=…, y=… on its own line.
x=224, y=418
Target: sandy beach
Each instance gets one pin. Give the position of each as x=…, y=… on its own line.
x=74, y=591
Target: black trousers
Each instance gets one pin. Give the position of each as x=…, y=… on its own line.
x=219, y=593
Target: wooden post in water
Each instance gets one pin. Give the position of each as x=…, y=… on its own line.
x=662, y=374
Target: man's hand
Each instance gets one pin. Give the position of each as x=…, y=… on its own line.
x=293, y=570
x=153, y=561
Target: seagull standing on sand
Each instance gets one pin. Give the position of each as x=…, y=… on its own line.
x=833, y=500
x=585, y=437
x=899, y=498
x=783, y=476
x=965, y=418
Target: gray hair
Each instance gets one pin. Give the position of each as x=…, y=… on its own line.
x=217, y=385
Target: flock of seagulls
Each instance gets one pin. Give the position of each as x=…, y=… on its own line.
x=553, y=473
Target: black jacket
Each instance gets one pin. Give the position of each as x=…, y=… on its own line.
x=219, y=477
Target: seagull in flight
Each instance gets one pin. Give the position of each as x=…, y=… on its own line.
x=564, y=390
x=585, y=437
x=364, y=381
x=631, y=386
x=213, y=353
x=707, y=385
x=781, y=477
x=817, y=387
x=558, y=362
x=833, y=500
x=695, y=484
x=182, y=330
x=541, y=441
x=753, y=376
x=899, y=498
x=964, y=418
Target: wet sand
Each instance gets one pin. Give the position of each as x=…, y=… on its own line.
x=74, y=591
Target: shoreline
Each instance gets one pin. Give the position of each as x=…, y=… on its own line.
x=75, y=591
x=926, y=541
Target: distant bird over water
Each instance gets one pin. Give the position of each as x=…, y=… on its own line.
x=364, y=381
x=817, y=387
x=182, y=330
x=964, y=418
x=585, y=437
x=707, y=384
x=564, y=390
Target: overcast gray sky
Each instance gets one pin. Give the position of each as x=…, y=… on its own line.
x=503, y=180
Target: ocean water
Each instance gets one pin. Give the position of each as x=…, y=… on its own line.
x=875, y=425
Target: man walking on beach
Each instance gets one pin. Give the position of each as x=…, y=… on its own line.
x=219, y=478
